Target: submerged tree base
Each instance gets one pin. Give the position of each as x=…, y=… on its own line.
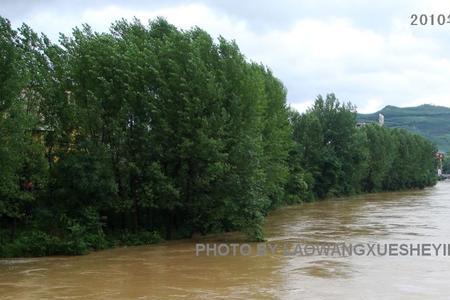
x=38, y=243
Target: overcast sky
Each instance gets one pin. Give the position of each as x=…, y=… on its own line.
x=365, y=52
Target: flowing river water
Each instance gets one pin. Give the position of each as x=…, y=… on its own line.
x=172, y=270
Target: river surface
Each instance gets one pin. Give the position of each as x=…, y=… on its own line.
x=173, y=271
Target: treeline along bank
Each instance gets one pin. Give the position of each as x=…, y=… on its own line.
x=150, y=132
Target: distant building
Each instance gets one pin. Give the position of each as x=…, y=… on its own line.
x=440, y=159
x=380, y=122
x=381, y=119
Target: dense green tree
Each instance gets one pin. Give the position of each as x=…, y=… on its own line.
x=381, y=145
x=333, y=151
x=147, y=131
x=10, y=83
x=446, y=164
x=23, y=171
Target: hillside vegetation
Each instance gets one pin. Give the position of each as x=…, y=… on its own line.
x=432, y=122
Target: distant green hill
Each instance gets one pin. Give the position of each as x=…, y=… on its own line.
x=430, y=121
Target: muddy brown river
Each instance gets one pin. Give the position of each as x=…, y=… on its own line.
x=173, y=271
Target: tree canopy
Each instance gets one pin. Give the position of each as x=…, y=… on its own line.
x=149, y=131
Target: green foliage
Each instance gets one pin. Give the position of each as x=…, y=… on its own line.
x=446, y=164
x=80, y=180
x=330, y=147
x=10, y=82
x=341, y=159
x=144, y=132
x=30, y=243
x=127, y=238
x=23, y=173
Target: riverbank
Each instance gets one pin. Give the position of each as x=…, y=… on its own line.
x=38, y=244
x=172, y=270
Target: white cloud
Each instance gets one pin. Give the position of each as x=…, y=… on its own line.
x=372, y=105
x=302, y=106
